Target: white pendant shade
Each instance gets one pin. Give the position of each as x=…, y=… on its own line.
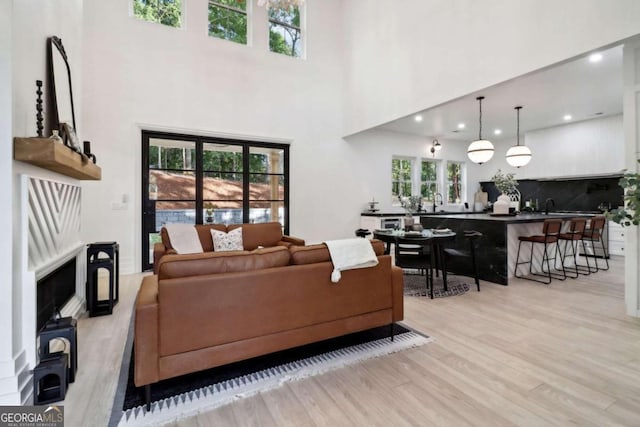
x=480, y=151
x=518, y=155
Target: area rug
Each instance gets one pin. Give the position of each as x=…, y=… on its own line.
x=415, y=286
x=206, y=390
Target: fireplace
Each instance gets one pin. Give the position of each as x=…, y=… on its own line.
x=54, y=291
x=50, y=260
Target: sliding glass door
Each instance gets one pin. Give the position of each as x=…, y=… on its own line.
x=195, y=180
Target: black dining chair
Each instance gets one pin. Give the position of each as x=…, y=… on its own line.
x=409, y=255
x=463, y=261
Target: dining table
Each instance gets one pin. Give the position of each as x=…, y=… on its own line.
x=433, y=239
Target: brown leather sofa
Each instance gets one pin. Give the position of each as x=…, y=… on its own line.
x=266, y=234
x=207, y=310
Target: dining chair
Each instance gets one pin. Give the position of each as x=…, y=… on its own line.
x=408, y=257
x=463, y=261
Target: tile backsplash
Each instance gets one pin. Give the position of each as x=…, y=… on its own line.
x=568, y=194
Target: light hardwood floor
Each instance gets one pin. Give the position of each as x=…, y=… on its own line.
x=527, y=354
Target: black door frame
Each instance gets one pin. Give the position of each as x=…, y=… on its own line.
x=148, y=206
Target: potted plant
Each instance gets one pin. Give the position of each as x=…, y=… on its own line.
x=411, y=204
x=209, y=210
x=629, y=214
x=505, y=183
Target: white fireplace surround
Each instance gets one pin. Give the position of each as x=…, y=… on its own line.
x=49, y=237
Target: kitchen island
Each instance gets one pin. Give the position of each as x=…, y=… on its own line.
x=497, y=250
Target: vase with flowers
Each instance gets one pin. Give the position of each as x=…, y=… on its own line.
x=505, y=183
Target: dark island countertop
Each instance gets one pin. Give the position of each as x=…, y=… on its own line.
x=497, y=249
x=509, y=219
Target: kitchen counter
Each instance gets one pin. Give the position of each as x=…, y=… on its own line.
x=401, y=214
x=497, y=249
x=509, y=219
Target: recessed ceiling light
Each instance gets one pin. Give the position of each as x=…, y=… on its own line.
x=595, y=57
x=567, y=117
x=461, y=125
x=418, y=118
x=497, y=131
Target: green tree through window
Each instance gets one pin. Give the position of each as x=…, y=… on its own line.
x=429, y=179
x=400, y=178
x=285, y=35
x=166, y=12
x=454, y=182
x=228, y=20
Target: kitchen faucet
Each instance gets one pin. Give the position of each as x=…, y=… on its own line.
x=435, y=200
x=546, y=205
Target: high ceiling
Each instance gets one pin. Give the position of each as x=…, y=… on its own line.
x=580, y=88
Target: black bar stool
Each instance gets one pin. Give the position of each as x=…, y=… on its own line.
x=550, y=230
x=593, y=234
x=572, y=238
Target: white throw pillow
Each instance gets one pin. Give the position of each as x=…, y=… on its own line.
x=231, y=241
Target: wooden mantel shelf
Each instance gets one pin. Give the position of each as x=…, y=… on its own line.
x=54, y=156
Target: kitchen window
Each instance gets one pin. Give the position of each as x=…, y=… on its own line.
x=165, y=12
x=455, y=182
x=285, y=33
x=429, y=179
x=228, y=20
x=401, y=178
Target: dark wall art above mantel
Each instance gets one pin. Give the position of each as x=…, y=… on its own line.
x=586, y=194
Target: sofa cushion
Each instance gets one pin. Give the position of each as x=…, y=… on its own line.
x=231, y=241
x=175, y=266
x=312, y=254
x=266, y=234
x=204, y=233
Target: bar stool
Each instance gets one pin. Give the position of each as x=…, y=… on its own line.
x=574, y=236
x=550, y=230
x=593, y=234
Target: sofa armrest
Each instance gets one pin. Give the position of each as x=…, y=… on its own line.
x=146, y=333
x=397, y=293
x=160, y=250
x=293, y=240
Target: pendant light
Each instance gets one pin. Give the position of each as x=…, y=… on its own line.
x=518, y=155
x=480, y=150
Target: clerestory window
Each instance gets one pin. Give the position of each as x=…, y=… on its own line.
x=165, y=12
x=285, y=34
x=228, y=20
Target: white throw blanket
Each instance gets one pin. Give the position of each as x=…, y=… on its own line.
x=184, y=238
x=348, y=254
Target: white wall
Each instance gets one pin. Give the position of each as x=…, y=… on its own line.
x=30, y=22
x=426, y=52
x=590, y=147
x=143, y=75
x=9, y=393
x=373, y=150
